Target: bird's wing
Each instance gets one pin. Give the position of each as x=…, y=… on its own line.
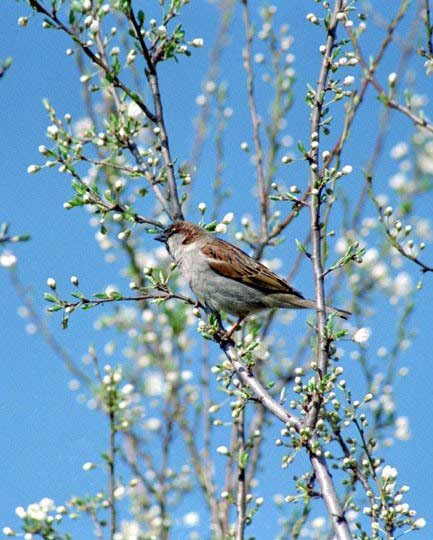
x=231, y=262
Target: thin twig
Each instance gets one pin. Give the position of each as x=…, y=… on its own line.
x=111, y=473
x=384, y=96
x=227, y=10
x=52, y=342
x=241, y=487
x=428, y=27
x=93, y=302
x=263, y=195
x=392, y=239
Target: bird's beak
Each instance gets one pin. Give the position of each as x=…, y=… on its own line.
x=161, y=237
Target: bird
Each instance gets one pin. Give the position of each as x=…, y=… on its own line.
x=225, y=279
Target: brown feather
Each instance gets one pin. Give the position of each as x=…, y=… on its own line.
x=229, y=261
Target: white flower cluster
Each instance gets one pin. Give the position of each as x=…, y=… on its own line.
x=392, y=505
x=45, y=511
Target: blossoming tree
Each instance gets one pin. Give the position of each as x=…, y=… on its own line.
x=194, y=416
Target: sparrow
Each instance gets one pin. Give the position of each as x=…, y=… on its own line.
x=224, y=278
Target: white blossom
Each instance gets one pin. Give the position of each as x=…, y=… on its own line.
x=51, y=282
x=119, y=492
x=191, y=519
x=34, y=511
x=134, y=111
x=53, y=130
x=402, y=284
x=201, y=100
x=228, y=218
x=7, y=259
x=419, y=523
x=259, y=58
x=392, y=78
x=20, y=512
x=47, y=504
x=361, y=335
x=318, y=523
x=349, y=80
x=131, y=57
x=152, y=424
x=347, y=169
x=221, y=228
x=398, y=181
x=429, y=67
x=197, y=42
x=402, y=431
x=94, y=26
x=389, y=473
x=155, y=385
x=399, y=150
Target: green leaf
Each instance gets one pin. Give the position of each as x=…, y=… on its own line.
x=4, y=229
x=300, y=246
x=54, y=308
x=301, y=147
x=210, y=226
x=243, y=459
x=50, y=297
x=102, y=296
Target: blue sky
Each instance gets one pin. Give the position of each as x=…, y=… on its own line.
x=47, y=435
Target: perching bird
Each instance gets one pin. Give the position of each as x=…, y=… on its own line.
x=224, y=278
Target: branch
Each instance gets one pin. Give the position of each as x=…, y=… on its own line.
x=315, y=203
x=316, y=456
x=52, y=342
x=383, y=96
x=241, y=487
x=133, y=148
x=329, y=495
x=392, y=239
x=117, y=297
x=111, y=476
x=176, y=213
x=358, y=98
x=226, y=9
x=428, y=27
x=263, y=196
x=111, y=76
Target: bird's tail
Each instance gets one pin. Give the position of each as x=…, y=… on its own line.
x=304, y=303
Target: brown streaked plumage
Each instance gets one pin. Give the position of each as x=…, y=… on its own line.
x=236, y=264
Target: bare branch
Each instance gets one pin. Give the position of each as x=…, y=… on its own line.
x=241, y=487
x=263, y=196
